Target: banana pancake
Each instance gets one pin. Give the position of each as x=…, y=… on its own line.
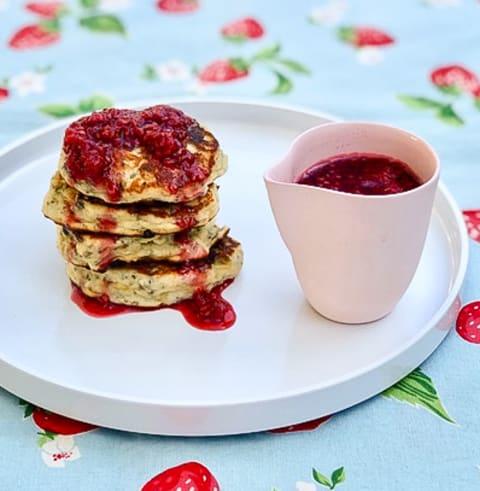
x=125, y=156
x=66, y=206
x=152, y=284
x=98, y=251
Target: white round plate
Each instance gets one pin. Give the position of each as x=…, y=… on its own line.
x=151, y=372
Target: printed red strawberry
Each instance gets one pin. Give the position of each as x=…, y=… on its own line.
x=307, y=426
x=472, y=221
x=243, y=29
x=190, y=476
x=48, y=10
x=220, y=71
x=178, y=6
x=33, y=36
x=468, y=322
x=456, y=79
x=4, y=93
x=61, y=425
x=361, y=37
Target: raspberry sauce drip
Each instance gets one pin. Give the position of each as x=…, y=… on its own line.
x=100, y=306
x=208, y=311
x=106, y=252
x=361, y=173
x=107, y=223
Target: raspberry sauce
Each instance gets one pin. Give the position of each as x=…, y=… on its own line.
x=94, y=144
x=107, y=223
x=106, y=251
x=361, y=173
x=208, y=311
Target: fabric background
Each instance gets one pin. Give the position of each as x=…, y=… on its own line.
x=384, y=443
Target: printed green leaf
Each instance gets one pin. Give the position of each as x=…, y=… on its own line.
x=338, y=476
x=268, y=53
x=43, y=69
x=45, y=436
x=149, y=73
x=235, y=39
x=89, y=4
x=449, y=89
x=239, y=64
x=41, y=441
x=447, y=115
x=321, y=479
x=51, y=25
x=477, y=103
x=418, y=390
x=103, y=23
x=28, y=410
x=294, y=66
x=94, y=103
x=419, y=102
x=58, y=110
x=346, y=34
x=284, y=84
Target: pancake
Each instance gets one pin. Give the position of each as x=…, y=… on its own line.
x=126, y=156
x=66, y=206
x=152, y=284
x=98, y=251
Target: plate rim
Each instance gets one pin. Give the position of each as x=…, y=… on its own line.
x=459, y=273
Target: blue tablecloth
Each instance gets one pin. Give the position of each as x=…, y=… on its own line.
x=413, y=64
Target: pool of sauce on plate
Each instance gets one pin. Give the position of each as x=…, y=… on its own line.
x=205, y=310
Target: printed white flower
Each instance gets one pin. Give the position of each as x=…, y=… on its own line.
x=173, y=71
x=113, y=5
x=197, y=87
x=443, y=3
x=56, y=452
x=369, y=55
x=305, y=486
x=3, y=5
x=329, y=14
x=28, y=83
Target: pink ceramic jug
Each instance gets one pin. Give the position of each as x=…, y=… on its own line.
x=354, y=255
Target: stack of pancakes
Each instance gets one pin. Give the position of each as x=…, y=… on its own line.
x=134, y=224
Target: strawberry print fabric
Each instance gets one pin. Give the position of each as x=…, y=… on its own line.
x=411, y=64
